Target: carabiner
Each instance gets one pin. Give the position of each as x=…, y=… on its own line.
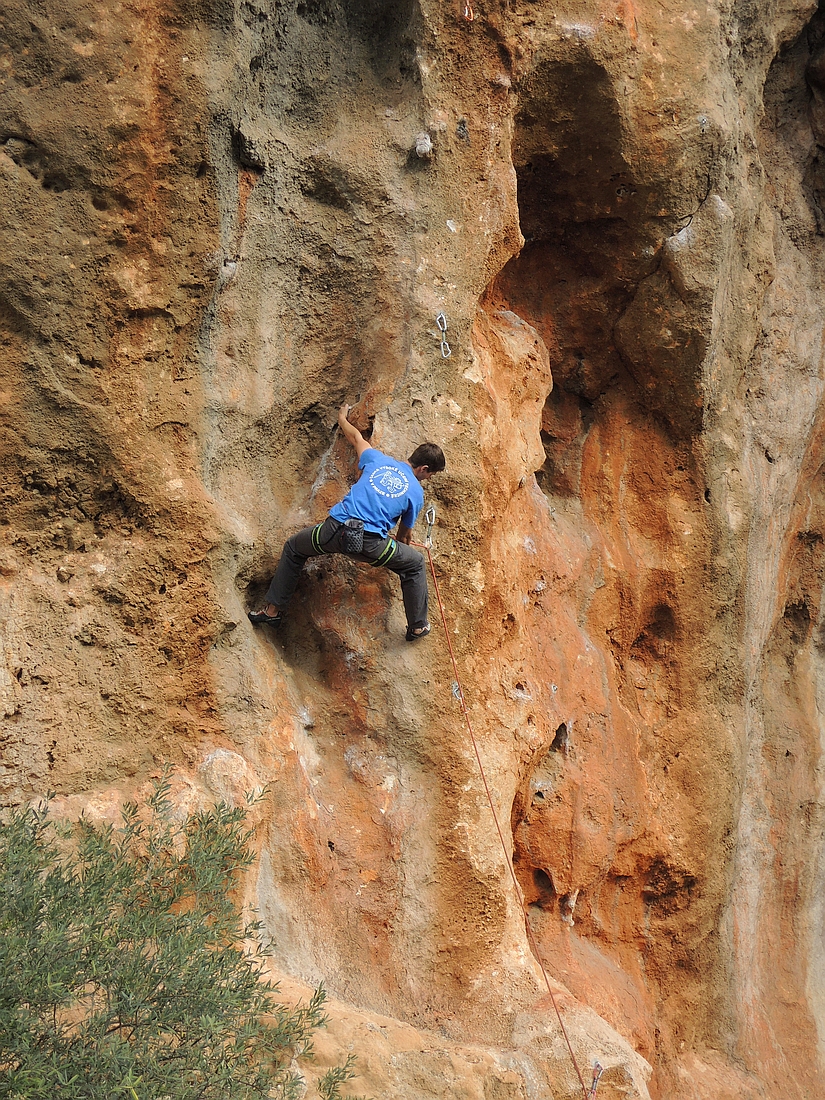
x=429, y=516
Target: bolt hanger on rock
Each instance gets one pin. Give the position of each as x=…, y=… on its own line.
x=424, y=145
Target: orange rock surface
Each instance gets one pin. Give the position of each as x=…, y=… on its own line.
x=218, y=226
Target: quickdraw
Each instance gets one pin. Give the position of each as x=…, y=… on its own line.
x=598, y=1070
x=441, y=321
x=429, y=516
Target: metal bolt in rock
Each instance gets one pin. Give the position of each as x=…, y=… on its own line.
x=424, y=145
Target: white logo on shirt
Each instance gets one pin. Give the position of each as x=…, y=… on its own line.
x=389, y=481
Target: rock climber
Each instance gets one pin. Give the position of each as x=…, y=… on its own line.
x=387, y=492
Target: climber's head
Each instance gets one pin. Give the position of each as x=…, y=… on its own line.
x=427, y=459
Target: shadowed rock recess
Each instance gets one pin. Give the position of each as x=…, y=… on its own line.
x=216, y=229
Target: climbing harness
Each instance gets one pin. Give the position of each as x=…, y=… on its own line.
x=441, y=321
x=351, y=540
x=387, y=554
x=598, y=1070
x=458, y=694
x=316, y=538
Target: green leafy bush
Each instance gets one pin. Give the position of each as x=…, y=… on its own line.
x=125, y=965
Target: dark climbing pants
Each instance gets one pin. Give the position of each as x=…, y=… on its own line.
x=325, y=538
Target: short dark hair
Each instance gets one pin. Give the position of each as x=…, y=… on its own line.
x=429, y=455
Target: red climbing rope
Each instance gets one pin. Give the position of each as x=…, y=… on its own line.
x=531, y=939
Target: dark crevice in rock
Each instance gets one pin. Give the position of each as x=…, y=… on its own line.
x=566, y=420
x=815, y=79
x=561, y=740
x=588, y=276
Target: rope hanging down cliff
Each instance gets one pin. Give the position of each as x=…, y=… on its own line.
x=458, y=692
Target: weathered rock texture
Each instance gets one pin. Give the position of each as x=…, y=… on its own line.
x=216, y=228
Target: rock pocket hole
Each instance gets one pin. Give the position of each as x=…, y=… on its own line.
x=561, y=741
x=57, y=182
x=657, y=637
x=545, y=891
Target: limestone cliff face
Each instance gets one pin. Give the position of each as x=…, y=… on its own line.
x=216, y=229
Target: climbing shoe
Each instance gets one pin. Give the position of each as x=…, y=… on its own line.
x=260, y=618
x=412, y=636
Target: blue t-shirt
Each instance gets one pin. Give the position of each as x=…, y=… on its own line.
x=385, y=492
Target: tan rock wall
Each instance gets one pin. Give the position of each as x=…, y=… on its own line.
x=216, y=230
